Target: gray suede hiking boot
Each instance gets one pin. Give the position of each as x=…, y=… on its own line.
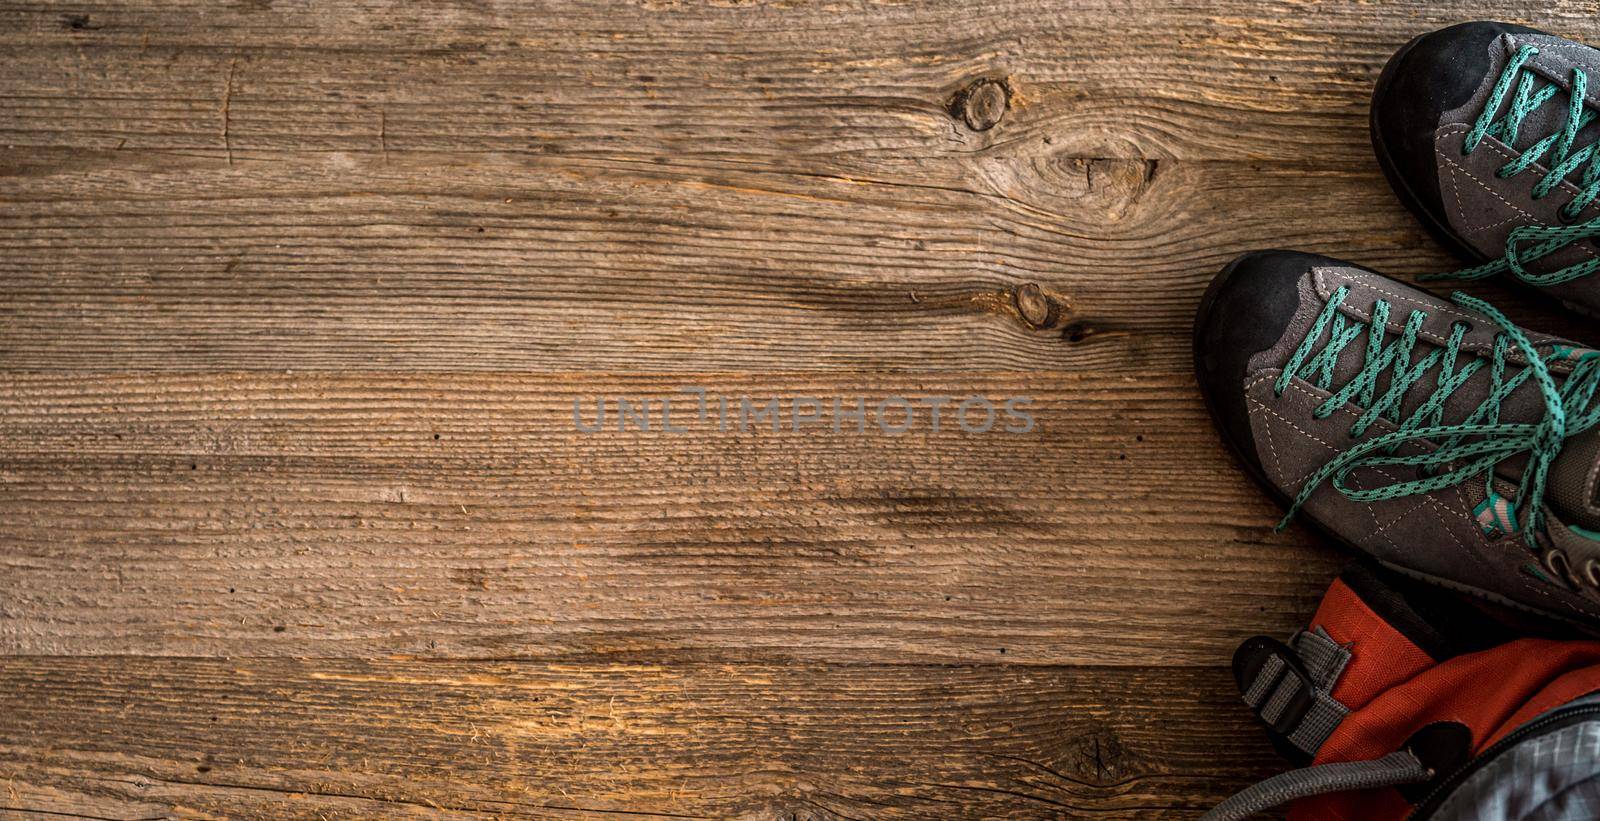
x=1487, y=132
x=1434, y=435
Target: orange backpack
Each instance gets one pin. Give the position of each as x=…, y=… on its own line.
x=1397, y=694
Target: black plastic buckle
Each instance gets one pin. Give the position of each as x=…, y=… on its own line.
x=1249, y=664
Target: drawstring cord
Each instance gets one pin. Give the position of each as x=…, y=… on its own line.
x=1394, y=769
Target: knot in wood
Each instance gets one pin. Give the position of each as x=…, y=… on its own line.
x=1037, y=308
x=982, y=104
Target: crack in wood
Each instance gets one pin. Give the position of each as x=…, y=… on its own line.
x=227, y=101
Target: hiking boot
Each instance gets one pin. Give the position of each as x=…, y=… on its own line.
x=1487, y=132
x=1434, y=435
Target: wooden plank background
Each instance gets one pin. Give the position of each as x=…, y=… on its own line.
x=297, y=299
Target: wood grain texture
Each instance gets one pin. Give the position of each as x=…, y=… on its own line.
x=469, y=516
x=568, y=187
x=722, y=739
x=296, y=298
x=510, y=262
x=756, y=82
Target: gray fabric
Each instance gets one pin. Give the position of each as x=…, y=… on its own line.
x=1283, y=691
x=1319, y=723
x=1325, y=660
x=1266, y=683
x=1481, y=208
x=1552, y=776
x=1323, y=657
x=1435, y=535
x=1395, y=768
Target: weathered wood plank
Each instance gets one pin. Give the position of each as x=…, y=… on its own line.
x=690, y=221
x=429, y=266
x=765, y=82
x=504, y=263
x=360, y=261
x=297, y=738
x=466, y=516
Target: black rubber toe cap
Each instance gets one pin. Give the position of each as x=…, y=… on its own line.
x=1429, y=77
x=1245, y=311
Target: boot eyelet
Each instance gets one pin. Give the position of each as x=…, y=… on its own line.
x=1556, y=561
x=1591, y=572
x=1564, y=217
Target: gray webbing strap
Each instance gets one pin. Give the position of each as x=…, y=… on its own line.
x=1302, y=710
x=1400, y=767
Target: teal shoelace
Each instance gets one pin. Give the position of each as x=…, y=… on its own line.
x=1466, y=450
x=1531, y=243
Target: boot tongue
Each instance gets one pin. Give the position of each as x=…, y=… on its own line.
x=1573, y=487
